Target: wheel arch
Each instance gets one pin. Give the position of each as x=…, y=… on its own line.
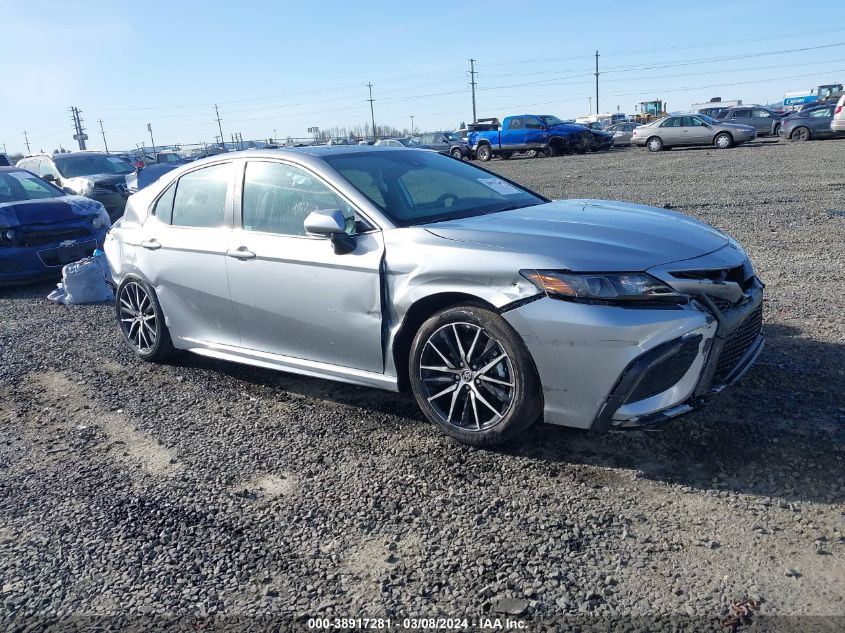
x=417, y=314
x=718, y=134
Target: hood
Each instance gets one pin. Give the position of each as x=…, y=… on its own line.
x=589, y=235
x=108, y=179
x=567, y=127
x=47, y=211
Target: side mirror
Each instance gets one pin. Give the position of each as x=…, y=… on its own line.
x=325, y=222
x=332, y=224
x=49, y=177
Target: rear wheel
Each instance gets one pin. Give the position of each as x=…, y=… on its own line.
x=654, y=144
x=800, y=134
x=142, y=321
x=484, y=153
x=457, y=153
x=723, y=140
x=472, y=376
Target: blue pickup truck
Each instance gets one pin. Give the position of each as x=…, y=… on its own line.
x=544, y=134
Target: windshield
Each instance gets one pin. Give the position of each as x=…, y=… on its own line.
x=90, y=165
x=418, y=187
x=453, y=136
x=17, y=186
x=169, y=158
x=548, y=119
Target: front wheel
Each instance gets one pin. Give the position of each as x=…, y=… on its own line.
x=484, y=153
x=800, y=134
x=654, y=144
x=142, y=321
x=457, y=153
x=473, y=377
x=723, y=140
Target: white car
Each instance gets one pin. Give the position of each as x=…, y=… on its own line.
x=838, y=123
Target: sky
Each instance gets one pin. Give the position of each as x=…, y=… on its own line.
x=280, y=67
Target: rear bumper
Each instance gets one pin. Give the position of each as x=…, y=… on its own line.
x=838, y=125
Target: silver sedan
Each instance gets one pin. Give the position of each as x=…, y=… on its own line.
x=622, y=133
x=407, y=270
x=691, y=129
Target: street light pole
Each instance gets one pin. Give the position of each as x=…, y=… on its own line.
x=152, y=140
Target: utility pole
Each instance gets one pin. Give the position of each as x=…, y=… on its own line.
x=472, y=75
x=152, y=140
x=372, y=113
x=590, y=106
x=597, y=82
x=412, y=124
x=274, y=136
x=103, y=132
x=80, y=135
x=219, y=127
x=26, y=139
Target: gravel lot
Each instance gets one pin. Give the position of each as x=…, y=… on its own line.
x=211, y=493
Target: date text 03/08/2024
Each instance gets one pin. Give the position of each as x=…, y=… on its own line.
x=416, y=624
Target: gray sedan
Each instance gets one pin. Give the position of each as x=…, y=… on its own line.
x=691, y=129
x=407, y=270
x=813, y=123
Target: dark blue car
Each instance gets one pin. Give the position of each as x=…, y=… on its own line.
x=42, y=228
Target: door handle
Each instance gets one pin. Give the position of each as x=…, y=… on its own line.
x=242, y=253
x=152, y=244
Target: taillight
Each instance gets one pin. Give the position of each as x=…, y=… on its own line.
x=139, y=164
x=838, y=110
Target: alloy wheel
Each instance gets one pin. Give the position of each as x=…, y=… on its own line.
x=467, y=376
x=138, y=317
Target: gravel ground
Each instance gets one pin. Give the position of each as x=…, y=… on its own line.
x=215, y=494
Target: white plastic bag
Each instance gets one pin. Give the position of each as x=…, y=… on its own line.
x=83, y=282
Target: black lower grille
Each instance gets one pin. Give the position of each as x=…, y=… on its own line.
x=723, y=304
x=662, y=376
x=66, y=254
x=738, y=343
x=40, y=238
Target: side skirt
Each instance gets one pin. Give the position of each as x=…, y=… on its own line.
x=290, y=364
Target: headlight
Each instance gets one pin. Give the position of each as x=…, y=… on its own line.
x=7, y=237
x=604, y=287
x=82, y=186
x=102, y=219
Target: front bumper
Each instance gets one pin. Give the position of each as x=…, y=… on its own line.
x=22, y=263
x=605, y=367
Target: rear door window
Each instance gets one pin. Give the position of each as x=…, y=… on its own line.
x=163, y=209
x=200, y=199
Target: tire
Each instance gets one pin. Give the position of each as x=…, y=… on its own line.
x=800, y=134
x=141, y=320
x=488, y=405
x=484, y=153
x=723, y=140
x=654, y=144
x=551, y=151
x=457, y=153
